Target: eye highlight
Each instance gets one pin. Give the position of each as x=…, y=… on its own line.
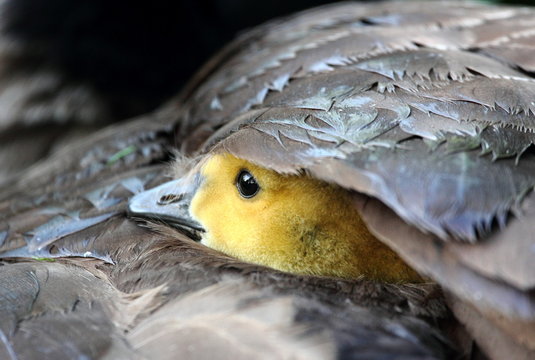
x=246, y=184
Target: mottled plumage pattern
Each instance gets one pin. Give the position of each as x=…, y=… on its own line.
x=431, y=114
x=429, y=118
x=105, y=307
x=358, y=87
x=426, y=111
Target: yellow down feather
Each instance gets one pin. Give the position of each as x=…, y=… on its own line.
x=294, y=223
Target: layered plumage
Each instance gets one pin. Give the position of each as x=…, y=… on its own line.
x=435, y=120
x=425, y=111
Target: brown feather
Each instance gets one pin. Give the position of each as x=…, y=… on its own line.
x=426, y=108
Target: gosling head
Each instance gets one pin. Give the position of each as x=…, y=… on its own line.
x=293, y=223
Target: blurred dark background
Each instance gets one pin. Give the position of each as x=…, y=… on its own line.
x=135, y=52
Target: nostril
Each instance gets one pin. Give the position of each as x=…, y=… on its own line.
x=169, y=199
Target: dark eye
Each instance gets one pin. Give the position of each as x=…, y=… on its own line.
x=247, y=185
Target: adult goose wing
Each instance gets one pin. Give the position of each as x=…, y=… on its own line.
x=427, y=109
x=77, y=271
x=398, y=82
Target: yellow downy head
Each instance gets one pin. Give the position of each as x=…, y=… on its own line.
x=292, y=223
